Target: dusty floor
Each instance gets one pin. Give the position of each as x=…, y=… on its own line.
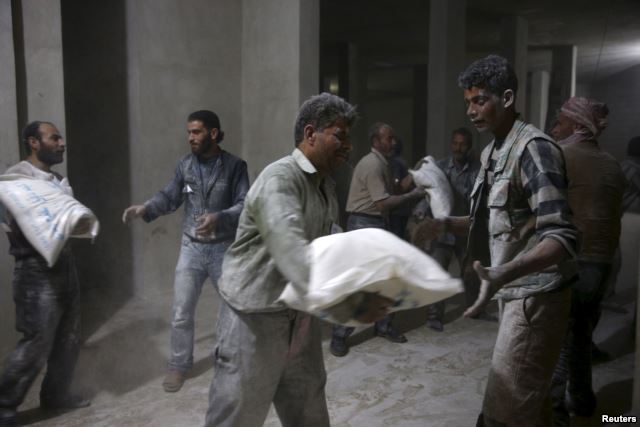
x=436, y=379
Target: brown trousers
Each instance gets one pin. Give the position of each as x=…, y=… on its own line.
x=530, y=337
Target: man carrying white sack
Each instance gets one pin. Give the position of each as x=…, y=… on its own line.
x=371, y=198
x=46, y=298
x=266, y=352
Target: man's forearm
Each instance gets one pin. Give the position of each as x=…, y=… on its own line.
x=393, y=202
x=546, y=253
x=458, y=225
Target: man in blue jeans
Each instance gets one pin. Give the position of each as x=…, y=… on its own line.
x=371, y=197
x=212, y=184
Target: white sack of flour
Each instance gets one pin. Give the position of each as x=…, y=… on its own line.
x=435, y=182
x=47, y=214
x=370, y=260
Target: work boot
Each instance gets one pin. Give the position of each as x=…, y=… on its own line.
x=435, y=324
x=338, y=347
x=391, y=334
x=173, y=381
x=68, y=401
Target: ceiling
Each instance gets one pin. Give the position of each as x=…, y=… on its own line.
x=606, y=33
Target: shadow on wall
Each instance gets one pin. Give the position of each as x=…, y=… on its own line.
x=95, y=71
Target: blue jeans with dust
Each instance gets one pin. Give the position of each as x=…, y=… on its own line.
x=197, y=262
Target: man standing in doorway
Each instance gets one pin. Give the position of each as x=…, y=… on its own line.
x=266, y=352
x=371, y=198
x=212, y=184
x=47, y=298
x=596, y=202
x=520, y=224
x=461, y=169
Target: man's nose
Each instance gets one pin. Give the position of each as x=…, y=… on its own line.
x=471, y=111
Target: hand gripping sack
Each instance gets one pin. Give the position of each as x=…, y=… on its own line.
x=370, y=260
x=434, y=180
x=46, y=212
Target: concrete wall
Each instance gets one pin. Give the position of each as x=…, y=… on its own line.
x=620, y=93
x=44, y=79
x=9, y=154
x=181, y=58
x=280, y=61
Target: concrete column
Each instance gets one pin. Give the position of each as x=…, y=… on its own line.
x=447, y=40
x=539, y=99
x=179, y=59
x=563, y=78
x=9, y=154
x=280, y=62
x=514, y=35
x=44, y=75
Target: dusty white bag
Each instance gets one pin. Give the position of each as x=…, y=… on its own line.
x=371, y=260
x=46, y=213
x=434, y=180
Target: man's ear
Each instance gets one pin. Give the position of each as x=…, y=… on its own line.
x=309, y=133
x=214, y=134
x=34, y=143
x=508, y=98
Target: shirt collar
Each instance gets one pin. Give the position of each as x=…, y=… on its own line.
x=303, y=162
x=379, y=155
x=452, y=165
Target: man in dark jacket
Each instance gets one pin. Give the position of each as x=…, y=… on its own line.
x=212, y=184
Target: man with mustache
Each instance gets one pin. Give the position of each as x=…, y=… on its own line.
x=212, y=184
x=371, y=198
x=46, y=298
x=265, y=351
x=520, y=225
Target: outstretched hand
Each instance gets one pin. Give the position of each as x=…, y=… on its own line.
x=492, y=279
x=132, y=212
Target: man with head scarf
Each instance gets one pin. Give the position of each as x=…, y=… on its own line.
x=596, y=186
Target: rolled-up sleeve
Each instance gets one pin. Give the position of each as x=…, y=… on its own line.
x=544, y=183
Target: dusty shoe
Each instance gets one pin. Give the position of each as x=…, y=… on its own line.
x=339, y=347
x=391, y=334
x=173, y=381
x=70, y=401
x=435, y=325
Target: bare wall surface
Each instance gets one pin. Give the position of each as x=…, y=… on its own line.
x=9, y=154
x=97, y=144
x=620, y=92
x=279, y=70
x=181, y=57
x=42, y=31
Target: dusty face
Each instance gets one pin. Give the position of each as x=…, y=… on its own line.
x=332, y=146
x=50, y=147
x=200, y=139
x=460, y=148
x=486, y=110
x=385, y=142
x=563, y=127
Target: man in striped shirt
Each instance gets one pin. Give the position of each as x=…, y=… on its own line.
x=520, y=225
